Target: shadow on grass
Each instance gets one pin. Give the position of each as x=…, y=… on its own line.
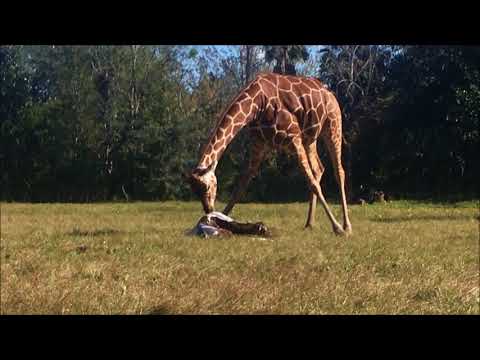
x=270, y=234
x=159, y=310
x=98, y=232
x=424, y=217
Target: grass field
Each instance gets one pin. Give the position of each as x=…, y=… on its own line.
x=403, y=258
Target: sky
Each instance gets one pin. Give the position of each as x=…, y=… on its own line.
x=228, y=50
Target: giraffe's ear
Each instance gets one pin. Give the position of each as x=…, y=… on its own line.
x=201, y=172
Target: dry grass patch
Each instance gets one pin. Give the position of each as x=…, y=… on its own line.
x=403, y=258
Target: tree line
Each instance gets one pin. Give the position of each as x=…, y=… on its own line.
x=102, y=123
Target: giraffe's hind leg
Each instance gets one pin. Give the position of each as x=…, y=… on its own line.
x=299, y=149
x=317, y=170
x=332, y=136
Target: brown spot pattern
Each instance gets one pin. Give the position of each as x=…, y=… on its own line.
x=285, y=105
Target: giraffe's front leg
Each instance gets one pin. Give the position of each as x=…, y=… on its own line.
x=312, y=205
x=257, y=154
x=317, y=170
x=238, y=192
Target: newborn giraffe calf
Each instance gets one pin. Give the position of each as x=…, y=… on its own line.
x=216, y=223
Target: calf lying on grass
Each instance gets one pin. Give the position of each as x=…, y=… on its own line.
x=216, y=223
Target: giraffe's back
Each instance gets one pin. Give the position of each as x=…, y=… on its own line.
x=293, y=106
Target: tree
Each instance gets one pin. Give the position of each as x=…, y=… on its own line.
x=433, y=124
x=285, y=57
x=14, y=93
x=87, y=123
x=357, y=74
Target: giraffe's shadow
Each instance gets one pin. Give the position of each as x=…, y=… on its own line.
x=96, y=232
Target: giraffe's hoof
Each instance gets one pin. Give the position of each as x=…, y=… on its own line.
x=348, y=231
x=339, y=231
x=308, y=227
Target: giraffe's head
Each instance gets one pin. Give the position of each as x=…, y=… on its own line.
x=204, y=184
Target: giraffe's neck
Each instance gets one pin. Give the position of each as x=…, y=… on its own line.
x=240, y=112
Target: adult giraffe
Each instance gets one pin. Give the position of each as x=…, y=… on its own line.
x=288, y=113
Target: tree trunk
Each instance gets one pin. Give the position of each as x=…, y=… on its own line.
x=248, y=63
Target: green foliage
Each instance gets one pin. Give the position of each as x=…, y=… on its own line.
x=431, y=136
x=410, y=122
x=86, y=123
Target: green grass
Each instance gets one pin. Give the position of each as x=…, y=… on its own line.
x=403, y=258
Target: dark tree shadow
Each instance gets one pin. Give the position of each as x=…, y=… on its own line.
x=160, y=310
x=98, y=232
